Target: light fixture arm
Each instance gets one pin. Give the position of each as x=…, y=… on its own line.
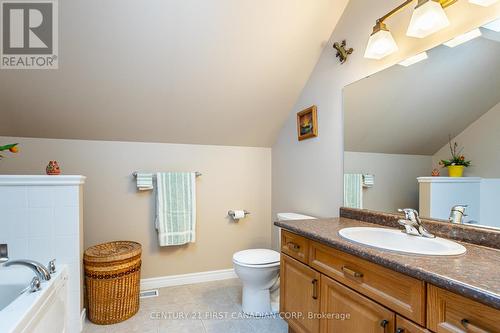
x=444, y=4
x=394, y=11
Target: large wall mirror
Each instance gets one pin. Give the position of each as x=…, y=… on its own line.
x=398, y=124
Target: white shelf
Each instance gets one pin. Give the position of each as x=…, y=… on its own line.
x=449, y=179
x=39, y=180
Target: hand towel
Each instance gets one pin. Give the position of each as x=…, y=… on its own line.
x=353, y=190
x=176, y=208
x=144, y=181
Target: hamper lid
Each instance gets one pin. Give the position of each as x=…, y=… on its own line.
x=112, y=251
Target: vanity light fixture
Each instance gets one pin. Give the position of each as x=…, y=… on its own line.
x=484, y=3
x=463, y=38
x=413, y=60
x=381, y=43
x=427, y=18
x=493, y=26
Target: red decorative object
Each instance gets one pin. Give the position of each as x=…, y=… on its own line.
x=53, y=168
x=435, y=173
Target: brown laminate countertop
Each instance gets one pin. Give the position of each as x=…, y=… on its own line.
x=475, y=274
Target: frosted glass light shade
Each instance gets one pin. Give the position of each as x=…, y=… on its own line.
x=484, y=3
x=427, y=19
x=380, y=45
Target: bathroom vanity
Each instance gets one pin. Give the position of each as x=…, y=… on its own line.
x=329, y=284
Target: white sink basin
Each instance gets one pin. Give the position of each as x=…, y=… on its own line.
x=395, y=240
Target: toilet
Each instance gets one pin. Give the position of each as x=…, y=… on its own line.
x=258, y=270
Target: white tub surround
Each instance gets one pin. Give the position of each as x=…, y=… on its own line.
x=439, y=194
x=42, y=220
x=44, y=311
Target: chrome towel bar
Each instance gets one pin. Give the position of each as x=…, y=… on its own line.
x=198, y=174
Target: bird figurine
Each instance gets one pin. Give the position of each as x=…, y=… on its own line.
x=342, y=52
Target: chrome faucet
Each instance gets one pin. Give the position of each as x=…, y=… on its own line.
x=457, y=214
x=42, y=273
x=413, y=224
x=4, y=253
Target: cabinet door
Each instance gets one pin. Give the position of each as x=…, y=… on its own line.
x=299, y=295
x=344, y=310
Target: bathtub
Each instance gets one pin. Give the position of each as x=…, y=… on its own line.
x=43, y=311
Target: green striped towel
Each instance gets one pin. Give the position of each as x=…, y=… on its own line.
x=353, y=190
x=176, y=208
x=144, y=181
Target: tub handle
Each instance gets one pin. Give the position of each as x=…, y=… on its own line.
x=34, y=286
x=51, y=266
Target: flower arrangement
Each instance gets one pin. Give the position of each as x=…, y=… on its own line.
x=13, y=148
x=457, y=159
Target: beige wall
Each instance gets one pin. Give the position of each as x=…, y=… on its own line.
x=395, y=178
x=233, y=178
x=481, y=142
x=307, y=175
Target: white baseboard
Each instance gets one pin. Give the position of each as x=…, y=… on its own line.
x=178, y=280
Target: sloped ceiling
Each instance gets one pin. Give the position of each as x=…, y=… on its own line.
x=187, y=71
x=412, y=110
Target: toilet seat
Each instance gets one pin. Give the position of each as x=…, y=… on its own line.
x=257, y=258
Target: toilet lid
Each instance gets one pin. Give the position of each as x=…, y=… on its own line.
x=257, y=257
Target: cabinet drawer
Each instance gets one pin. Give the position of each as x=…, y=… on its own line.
x=400, y=293
x=405, y=326
x=449, y=312
x=294, y=245
x=362, y=315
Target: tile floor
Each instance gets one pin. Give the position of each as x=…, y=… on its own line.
x=212, y=307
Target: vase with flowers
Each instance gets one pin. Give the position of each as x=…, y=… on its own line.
x=457, y=162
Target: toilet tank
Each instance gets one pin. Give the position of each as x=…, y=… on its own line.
x=288, y=217
x=293, y=216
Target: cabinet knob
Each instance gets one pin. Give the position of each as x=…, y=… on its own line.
x=400, y=330
x=384, y=323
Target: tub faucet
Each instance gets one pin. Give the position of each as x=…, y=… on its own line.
x=413, y=224
x=4, y=253
x=40, y=270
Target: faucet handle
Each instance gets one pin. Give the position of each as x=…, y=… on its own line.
x=35, y=285
x=51, y=266
x=410, y=213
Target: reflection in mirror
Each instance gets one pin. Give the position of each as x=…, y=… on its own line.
x=410, y=127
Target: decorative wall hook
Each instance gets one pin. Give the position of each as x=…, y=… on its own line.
x=342, y=52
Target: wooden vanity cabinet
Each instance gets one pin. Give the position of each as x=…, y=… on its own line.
x=351, y=311
x=299, y=295
x=321, y=286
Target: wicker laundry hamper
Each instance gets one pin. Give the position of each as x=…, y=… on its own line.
x=112, y=279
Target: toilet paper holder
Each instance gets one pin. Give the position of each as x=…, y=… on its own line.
x=232, y=215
